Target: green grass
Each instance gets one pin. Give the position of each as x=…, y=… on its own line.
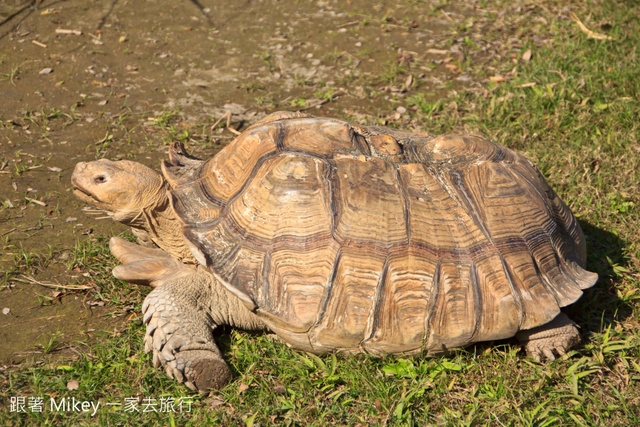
x=580, y=124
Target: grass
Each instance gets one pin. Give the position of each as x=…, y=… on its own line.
x=579, y=123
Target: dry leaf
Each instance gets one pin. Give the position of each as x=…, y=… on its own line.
x=452, y=67
x=498, y=78
x=46, y=71
x=215, y=402
x=526, y=56
x=72, y=385
x=408, y=82
x=242, y=387
x=505, y=98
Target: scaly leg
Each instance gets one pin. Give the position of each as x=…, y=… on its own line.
x=177, y=315
x=555, y=337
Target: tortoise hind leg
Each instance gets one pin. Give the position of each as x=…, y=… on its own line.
x=555, y=337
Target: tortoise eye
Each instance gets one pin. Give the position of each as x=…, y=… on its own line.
x=99, y=179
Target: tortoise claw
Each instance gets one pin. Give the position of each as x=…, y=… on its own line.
x=554, y=338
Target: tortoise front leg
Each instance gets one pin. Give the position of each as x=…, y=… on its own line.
x=180, y=334
x=555, y=337
x=179, y=325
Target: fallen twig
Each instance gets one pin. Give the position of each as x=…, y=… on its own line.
x=8, y=232
x=317, y=104
x=232, y=130
x=213, y=126
x=106, y=138
x=38, y=202
x=71, y=32
x=590, y=33
x=29, y=279
x=446, y=15
x=348, y=24
x=227, y=117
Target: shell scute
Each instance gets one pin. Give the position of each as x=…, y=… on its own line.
x=369, y=205
x=286, y=199
x=404, y=305
x=318, y=138
x=295, y=284
x=347, y=314
x=454, y=319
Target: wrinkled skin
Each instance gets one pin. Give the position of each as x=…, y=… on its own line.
x=123, y=189
x=136, y=196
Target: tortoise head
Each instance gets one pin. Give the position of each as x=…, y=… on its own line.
x=122, y=188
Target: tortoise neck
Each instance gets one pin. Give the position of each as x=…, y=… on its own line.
x=161, y=223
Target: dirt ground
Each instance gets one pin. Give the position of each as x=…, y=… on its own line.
x=120, y=79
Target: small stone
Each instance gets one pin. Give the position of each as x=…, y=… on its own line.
x=6, y=311
x=401, y=110
x=46, y=70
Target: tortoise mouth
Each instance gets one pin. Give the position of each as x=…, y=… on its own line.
x=80, y=193
x=83, y=194
x=86, y=197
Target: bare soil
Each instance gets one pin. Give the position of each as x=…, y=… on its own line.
x=120, y=79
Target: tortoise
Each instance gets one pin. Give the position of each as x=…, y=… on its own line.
x=343, y=238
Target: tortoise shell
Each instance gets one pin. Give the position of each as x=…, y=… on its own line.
x=351, y=238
